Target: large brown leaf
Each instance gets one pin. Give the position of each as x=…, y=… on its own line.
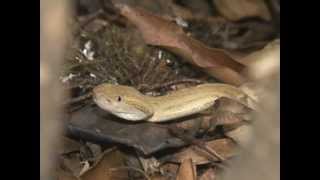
x=187, y=171
x=108, y=167
x=161, y=32
x=209, y=174
x=224, y=147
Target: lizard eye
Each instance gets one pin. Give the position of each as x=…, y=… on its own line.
x=119, y=98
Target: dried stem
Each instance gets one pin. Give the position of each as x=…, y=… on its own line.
x=78, y=99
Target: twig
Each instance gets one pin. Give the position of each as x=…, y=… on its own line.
x=78, y=99
x=210, y=151
x=131, y=168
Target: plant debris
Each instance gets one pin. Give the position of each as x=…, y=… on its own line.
x=187, y=171
x=157, y=47
x=169, y=36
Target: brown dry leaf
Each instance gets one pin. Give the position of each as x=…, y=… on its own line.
x=227, y=113
x=107, y=168
x=224, y=147
x=160, y=32
x=64, y=175
x=231, y=112
x=209, y=174
x=232, y=106
x=229, y=118
x=187, y=171
x=70, y=162
x=67, y=145
x=158, y=177
x=242, y=135
x=169, y=171
x=189, y=125
x=239, y=9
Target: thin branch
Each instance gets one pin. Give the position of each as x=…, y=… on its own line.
x=78, y=99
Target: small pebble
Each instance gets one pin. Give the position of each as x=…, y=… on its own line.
x=160, y=55
x=79, y=59
x=181, y=22
x=67, y=78
x=87, y=51
x=169, y=62
x=93, y=75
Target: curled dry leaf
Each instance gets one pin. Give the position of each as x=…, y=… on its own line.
x=72, y=165
x=239, y=9
x=189, y=125
x=229, y=118
x=209, y=174
x=225, y=104
x=160, y=32
x=169, y=171
x=242, y=135
x=231, y=112
x=61, y=174
x=187, y=171
x=224, y=147
x=107, y=168
x=67, y=145
x=69, y=155
x=226, y=113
